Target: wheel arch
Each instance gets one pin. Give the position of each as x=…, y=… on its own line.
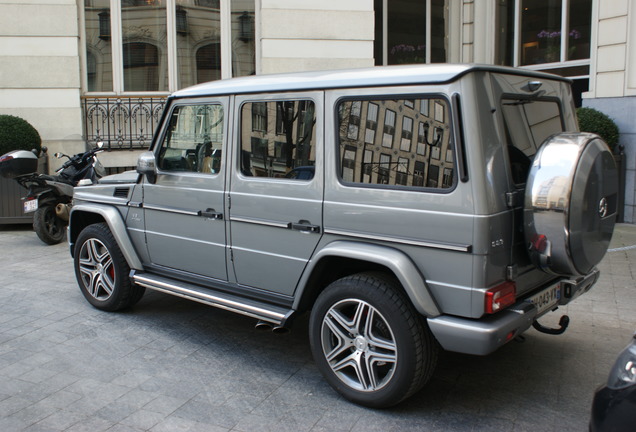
x=83, y=215
x=343, y=258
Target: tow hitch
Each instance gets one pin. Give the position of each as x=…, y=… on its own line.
x=563, y=325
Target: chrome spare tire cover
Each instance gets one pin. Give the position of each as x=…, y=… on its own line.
x=570, y=203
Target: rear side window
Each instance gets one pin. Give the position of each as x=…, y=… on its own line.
x=396, y=142
x=278, y=139
x=528, y=122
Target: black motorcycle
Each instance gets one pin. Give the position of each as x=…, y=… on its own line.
x=50, y=196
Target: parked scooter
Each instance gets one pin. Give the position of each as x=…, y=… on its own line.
x=50, y=197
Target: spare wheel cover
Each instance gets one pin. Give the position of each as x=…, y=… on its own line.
x=570, y=203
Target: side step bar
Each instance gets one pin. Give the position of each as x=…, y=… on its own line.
x=276, y=315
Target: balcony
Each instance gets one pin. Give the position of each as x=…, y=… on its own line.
x=121, y=123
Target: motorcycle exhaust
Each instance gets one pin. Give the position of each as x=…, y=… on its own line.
x=63, y=211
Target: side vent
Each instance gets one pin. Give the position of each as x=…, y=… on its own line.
x=121, y=192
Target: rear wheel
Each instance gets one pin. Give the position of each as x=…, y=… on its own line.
x=368, y=341
x=102, y=271
x=49, y=228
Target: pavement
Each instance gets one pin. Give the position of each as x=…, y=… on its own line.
x=173, y=365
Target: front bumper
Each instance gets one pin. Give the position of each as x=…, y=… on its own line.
x=485, y=335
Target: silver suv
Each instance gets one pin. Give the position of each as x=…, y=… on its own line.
x=407, y=209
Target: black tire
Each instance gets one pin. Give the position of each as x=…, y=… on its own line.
x=396, y=341
x=49, y=228
x=102, y=272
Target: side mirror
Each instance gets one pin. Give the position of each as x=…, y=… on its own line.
x=147, y=165
x=100, y=144
x=58, y=155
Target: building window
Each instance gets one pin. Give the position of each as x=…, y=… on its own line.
x=407, y=134
x=141, y=67
x=259, y=117
x=371, y=124
x=152, y=58
x=411, y=31
x=208, y=60
x=548, y=35
x=389, y=128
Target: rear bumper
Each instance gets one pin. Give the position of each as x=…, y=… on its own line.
x=485, y=335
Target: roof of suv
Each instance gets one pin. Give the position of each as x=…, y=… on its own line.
x=365, y=77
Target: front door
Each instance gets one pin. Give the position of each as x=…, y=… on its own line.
x=185, y=208
x=276, y=189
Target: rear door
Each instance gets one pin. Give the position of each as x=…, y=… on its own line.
x=185, y=208
x=276, y=188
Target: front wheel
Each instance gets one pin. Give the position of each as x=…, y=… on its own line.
x=369, y=342
x=49, y=228
x=102, y=271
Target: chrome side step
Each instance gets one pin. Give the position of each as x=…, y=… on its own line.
x=274, y=314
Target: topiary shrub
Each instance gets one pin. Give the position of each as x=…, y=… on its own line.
x=591, y=120
x=17, y=134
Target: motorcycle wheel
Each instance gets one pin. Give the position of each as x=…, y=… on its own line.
x=49, y=228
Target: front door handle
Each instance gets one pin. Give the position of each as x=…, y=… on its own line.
x=210, y=214
x=304, y=226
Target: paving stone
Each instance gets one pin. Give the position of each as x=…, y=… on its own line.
x=170, y=365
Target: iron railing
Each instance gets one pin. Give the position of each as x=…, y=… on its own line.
x=121, y=123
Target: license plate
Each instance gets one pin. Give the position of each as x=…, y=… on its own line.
x=30, y=206
x=547, y=298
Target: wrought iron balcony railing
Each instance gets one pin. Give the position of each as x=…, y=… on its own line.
x=122, y=123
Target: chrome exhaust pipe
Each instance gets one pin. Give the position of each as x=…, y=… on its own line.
x=263, y=325
x=280, y=329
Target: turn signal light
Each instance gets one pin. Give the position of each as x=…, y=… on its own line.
x=500, y=297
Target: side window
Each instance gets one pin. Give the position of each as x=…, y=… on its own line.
x=422, y=156
x=278, y=139
x=528, y=123
x=194, y=140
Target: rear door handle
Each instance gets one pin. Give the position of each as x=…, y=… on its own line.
x=210, y=214
x=304, y=226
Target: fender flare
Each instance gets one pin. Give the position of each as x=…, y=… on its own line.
x=398, y=262
x=116, y=225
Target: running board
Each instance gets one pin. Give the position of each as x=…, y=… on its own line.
x=263, y=311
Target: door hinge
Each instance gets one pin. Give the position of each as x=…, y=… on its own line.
x=514, y=199
x=231, y=255
x=229, y=202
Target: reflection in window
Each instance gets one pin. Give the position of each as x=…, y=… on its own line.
x=405, y=39
x=194, y=141
x=208, y=60
x=542, y=31
x=285, y=150
x=98, y=45
x=144, y=27
x=243, y=38
x=141, y=67
x=527, y=125
x=417, y=163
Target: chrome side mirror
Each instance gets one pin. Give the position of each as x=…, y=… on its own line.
x=147, y=165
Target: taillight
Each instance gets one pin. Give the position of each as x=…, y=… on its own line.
x=500, y=297
x=5, y=158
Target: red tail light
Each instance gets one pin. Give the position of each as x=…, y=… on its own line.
x=500, y=297
x=5, y=158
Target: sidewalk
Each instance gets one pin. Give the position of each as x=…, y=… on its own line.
x=173, y=365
